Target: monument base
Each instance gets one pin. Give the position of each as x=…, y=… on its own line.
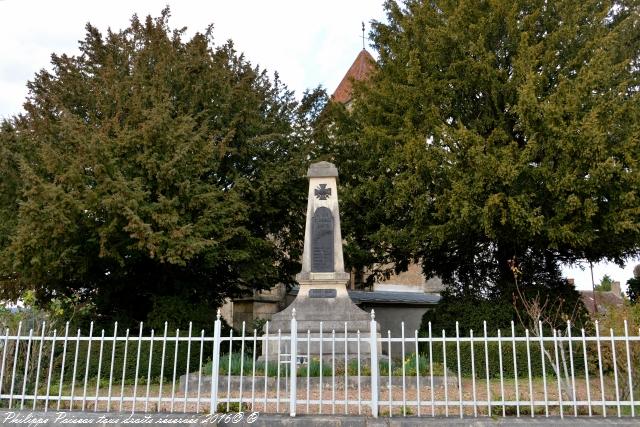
x=323, y=307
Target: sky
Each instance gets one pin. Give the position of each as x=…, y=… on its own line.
x=308, y=43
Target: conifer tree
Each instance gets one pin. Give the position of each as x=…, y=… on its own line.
x=492, y=130
x=156, y=174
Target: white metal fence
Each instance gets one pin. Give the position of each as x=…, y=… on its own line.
x=567, y=372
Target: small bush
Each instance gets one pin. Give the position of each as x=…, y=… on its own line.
x=410, y=366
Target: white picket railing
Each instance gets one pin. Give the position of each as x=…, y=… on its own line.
x=561, y=374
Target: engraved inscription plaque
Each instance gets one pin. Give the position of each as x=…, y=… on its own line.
x=322, y=293
x=322, y=241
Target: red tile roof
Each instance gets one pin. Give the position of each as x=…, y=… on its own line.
x=360, y=70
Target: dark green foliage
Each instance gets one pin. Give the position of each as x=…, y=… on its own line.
x=153, y=174
x=499, y=305
x=493, y=352
x=469, y=311
x=633, y=289
x=495, y=130
x=9, y=190
x=129, y=364
x=173, y=311
x=121, y=369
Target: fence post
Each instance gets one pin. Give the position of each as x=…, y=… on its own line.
x=375, y=382
x=215, y=365
x=293, y=363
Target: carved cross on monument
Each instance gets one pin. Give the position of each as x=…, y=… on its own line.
x=322, y=192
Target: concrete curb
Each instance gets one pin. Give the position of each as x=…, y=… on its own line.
x=356, y=421
x=41, y=419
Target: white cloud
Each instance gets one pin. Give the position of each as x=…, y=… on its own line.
x=308, y=43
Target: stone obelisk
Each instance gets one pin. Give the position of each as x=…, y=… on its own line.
x=322, y=298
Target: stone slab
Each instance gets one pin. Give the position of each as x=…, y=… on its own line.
x=322, y=169
x=314, y=382
x=309, y=278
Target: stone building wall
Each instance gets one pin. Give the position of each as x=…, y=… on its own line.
x=411, y=280
x=260, y=305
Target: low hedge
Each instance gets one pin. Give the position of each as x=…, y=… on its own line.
x=493, y=352
x=129, y=364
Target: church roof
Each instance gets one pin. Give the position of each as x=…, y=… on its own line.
x=388, y=297
x=604, y=300
x=359, y=70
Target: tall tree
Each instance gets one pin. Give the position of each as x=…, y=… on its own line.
x=163, y=170
x=9, y=190
x=492, y=130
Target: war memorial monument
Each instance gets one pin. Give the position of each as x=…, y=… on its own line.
x=322, y=305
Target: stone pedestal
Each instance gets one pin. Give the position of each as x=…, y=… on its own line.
x=315, y=307
x=319, y=314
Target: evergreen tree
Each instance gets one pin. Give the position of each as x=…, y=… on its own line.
x=9, y=189
x=492, y=130
x=156, y=175
x=605, y=284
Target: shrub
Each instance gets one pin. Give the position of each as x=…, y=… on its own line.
x=128, y=366
x=614, y=318
x=493, y=352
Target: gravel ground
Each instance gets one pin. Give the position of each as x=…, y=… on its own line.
x=357, y=399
